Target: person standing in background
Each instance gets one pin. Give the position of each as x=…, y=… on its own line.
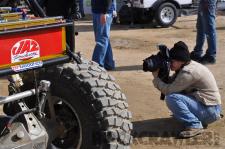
x=81, y=8
x=206, y=27
x=102, y=12
x=77, y=11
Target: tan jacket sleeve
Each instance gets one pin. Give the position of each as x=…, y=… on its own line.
x=183, y=80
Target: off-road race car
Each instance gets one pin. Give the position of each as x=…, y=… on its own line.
x=57, y=99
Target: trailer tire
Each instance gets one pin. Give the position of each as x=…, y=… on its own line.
x=97, y=101
x=166, y=14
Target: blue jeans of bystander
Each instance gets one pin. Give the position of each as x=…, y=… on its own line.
x=103, y=51
x=192, y=112
x=81, y=7
x=206, y=27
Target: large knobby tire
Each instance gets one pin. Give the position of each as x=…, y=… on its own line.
x=166, y=14
x=99, y=107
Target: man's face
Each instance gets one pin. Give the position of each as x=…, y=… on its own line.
x=176, y=65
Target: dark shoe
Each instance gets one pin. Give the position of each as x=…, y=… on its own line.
x=109, y=68
x=207, y=59
x=205, y=126
x=190, y=132
x=195, y=57
x=75, y=16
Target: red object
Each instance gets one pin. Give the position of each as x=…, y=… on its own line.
x=29, y=46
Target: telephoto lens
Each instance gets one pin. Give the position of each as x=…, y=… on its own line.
x=158, y=61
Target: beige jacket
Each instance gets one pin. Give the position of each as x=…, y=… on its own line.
x=193, y=79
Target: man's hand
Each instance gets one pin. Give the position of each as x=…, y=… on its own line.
x=103, y=19
x=114, y=14
x=155, y=73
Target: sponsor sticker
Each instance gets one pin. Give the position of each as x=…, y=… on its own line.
x=24, y=50
x=28, y=66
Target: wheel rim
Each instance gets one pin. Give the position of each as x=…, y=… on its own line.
x=67, y=118
x=167, y=14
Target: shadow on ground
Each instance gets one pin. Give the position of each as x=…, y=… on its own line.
x=129, y=68
x=161, y=127
x=165, y=131
x=88, y=27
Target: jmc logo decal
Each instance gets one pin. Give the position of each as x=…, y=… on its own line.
x=24, y=50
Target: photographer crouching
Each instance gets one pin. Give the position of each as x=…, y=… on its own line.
x=192, y=96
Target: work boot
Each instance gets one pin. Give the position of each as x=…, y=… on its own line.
x=207, y=59
x=195, y=56
x=205, y=126
x=190, y=132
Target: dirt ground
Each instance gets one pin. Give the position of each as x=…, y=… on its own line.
x=153, y=125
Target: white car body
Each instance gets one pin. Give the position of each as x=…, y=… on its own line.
x=164, y=12
x=149, y=3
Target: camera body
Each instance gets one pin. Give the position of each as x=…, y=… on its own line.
x=159, y=61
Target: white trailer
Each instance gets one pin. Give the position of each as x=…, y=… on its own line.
x=164, y=12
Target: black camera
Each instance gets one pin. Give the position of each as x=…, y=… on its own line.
x=159, y=61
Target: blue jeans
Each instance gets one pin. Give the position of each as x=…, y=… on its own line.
x=103, y=51
x=206, y=27
x=192, y=112
x=81, y=7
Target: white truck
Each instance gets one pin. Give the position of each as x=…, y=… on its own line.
x=164, y=12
